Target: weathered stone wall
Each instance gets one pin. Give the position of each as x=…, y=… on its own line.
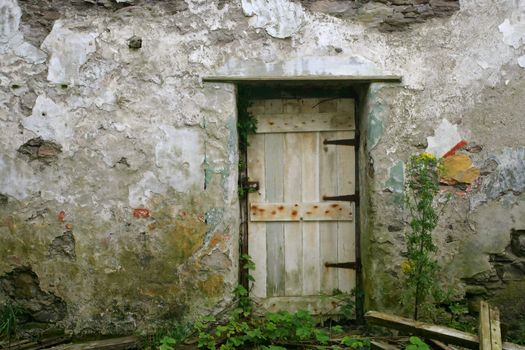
x=118, y=166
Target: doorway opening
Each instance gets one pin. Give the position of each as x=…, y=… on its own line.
x=299, y=188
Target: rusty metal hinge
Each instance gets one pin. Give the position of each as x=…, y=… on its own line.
x=343, y=142
x=343, y=265
x=344, y=198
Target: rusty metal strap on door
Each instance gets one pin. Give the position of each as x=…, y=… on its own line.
x=344, y=198
x=343, y=142
x=343, y=265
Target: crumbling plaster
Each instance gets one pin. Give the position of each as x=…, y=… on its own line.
x=148, y=168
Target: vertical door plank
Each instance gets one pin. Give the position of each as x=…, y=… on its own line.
x=346, y=230
x=292, y=106
x=328, y=231
x=293, y=243
x=346, y=105
x=273, y=149
x=310, y=193
x=257, y=230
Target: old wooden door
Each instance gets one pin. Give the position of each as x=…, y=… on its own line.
x=300, y=156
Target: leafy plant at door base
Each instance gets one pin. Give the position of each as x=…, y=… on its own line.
x=416, y=343
x=272, y=331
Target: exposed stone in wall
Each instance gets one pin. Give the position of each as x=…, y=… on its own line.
x=22, y=286
x=508, y=177
x=63, y=246
x=38, y=148
x=390, y=15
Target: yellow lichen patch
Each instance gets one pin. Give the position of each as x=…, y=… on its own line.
x=406, y=266
x=183, y=239
x=459, y=169
x=212, y=286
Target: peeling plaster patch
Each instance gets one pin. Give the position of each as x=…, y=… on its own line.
x=513, y=33
x=179, y=156
x=377, y=111
x=280, y=18
x=16, y=178
x=303, y=66
x=396, y=181
x=10, y=14
x=147, y=187
x=445, y=138
x=12, y=38
x=493, y=225
x=521, y=61
x=69, y=50
x=214, y=217
x=509, y=176
x=51, y=122
x=375, y=131
x=459, y=169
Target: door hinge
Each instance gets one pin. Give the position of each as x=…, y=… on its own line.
x=344, y=142
x=343, y=265
x=344, y=198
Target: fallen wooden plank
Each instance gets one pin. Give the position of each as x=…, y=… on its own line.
x=122, y=343
x=28, y=344
x=484, y=327
x=495, y=330
x=438, y=344
x=15, y=344
x=489, y=327
x=380, y=345
x=427, y=330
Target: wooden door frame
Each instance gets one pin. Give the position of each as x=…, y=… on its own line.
x=328, y=90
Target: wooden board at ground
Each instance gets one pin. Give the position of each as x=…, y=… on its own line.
x=489, y=327
x=122, y=343
x=431, y=331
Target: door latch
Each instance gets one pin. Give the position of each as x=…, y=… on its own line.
x=252, y=185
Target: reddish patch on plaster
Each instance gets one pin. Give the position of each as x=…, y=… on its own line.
x=140, y=213
x=61, y=216
x=215, y=240
x=456, y=148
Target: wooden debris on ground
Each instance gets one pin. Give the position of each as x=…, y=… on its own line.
x=489, y=328
x=441, y=336
x=122, y=343
x=29, y=344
